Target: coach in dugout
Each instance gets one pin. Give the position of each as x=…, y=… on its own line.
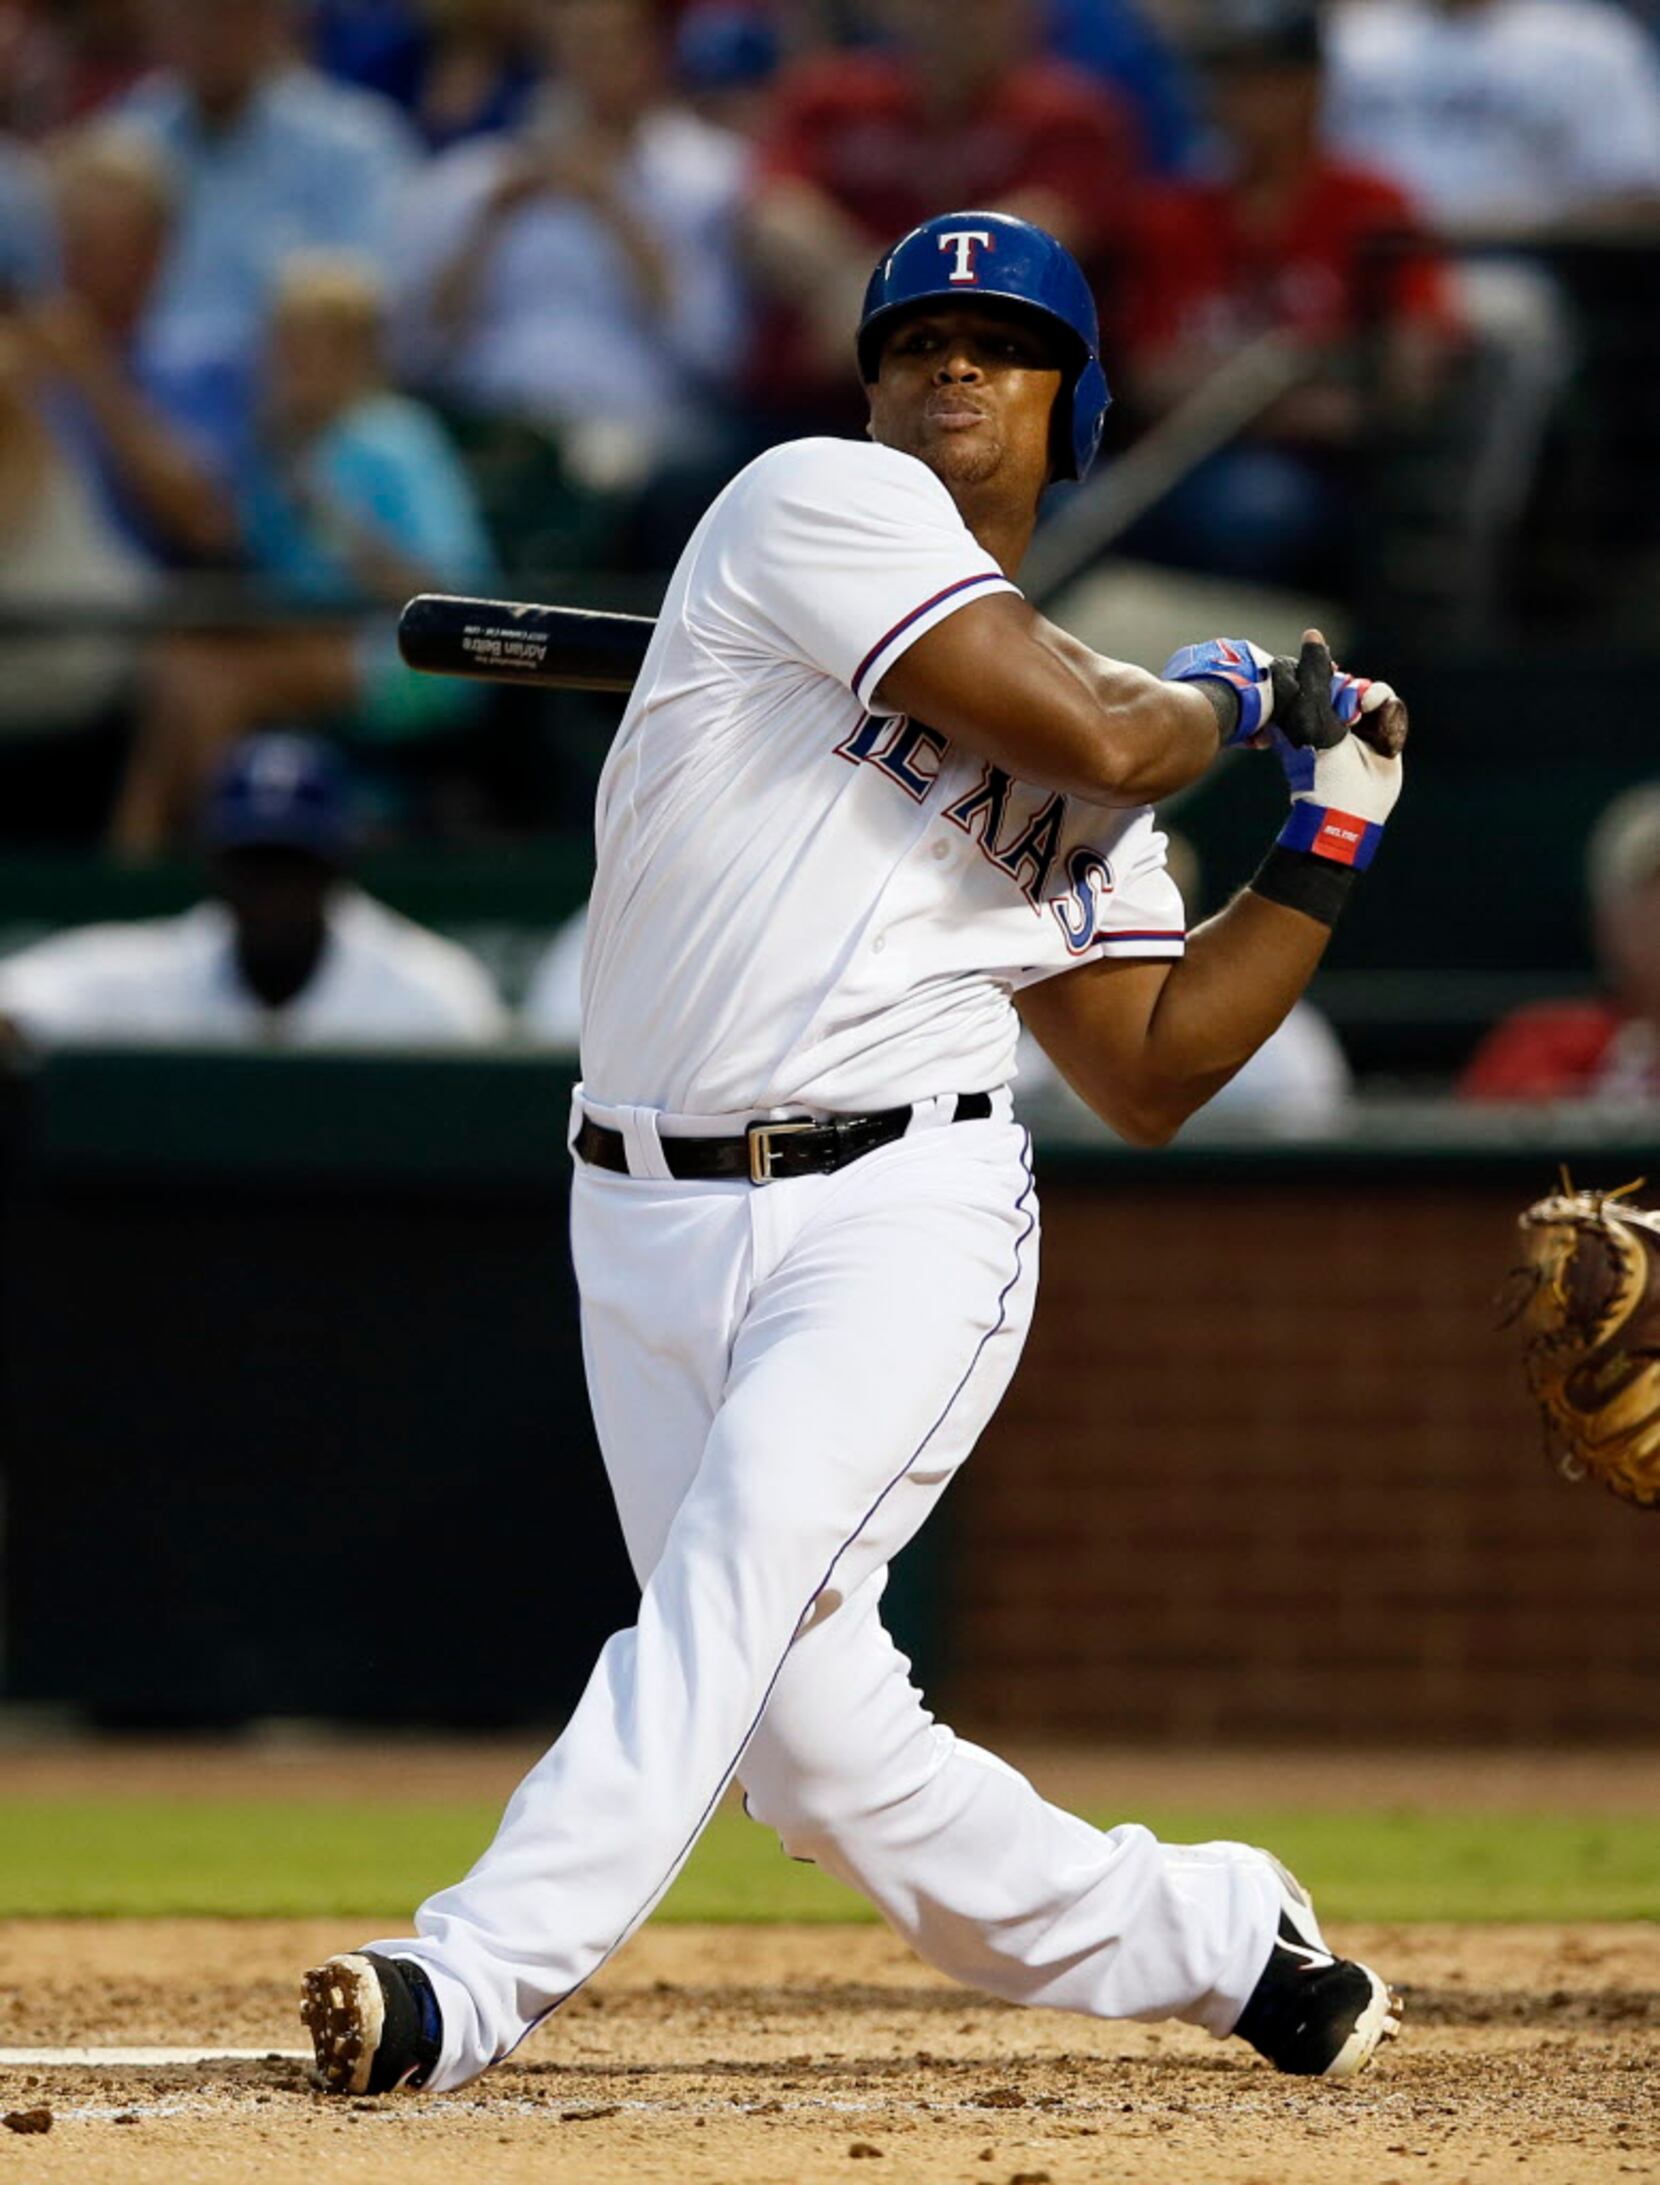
x=286, y=951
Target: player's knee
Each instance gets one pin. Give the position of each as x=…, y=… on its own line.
x=817, y=1788
x=804, y=1807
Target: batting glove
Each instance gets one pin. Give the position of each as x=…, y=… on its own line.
x=1339, y=738
x=1245, y=668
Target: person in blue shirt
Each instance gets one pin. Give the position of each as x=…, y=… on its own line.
x=25, y=228
x=349, y=498
x=271, y=157
x=155, y=444
x=457, y=68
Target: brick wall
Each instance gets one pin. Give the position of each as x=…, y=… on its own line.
x=1267, y=1470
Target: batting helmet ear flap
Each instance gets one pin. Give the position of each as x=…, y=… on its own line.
x=1091, y=401
x=992, y=254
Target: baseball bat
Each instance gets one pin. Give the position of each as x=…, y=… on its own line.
x=516, y=641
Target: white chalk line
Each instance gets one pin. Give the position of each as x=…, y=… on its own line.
x=42, y=2059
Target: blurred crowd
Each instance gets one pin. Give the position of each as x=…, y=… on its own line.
x=308, y=305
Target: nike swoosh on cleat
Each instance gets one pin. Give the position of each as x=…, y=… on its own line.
x=1315, y=1960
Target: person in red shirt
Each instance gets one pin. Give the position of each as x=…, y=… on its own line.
x=1594, y=1047
x=961, y=109
x=1282, y=239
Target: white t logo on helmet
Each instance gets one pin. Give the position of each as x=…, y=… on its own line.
x=962, y=242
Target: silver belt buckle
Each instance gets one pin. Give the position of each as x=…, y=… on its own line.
x=760, y=1136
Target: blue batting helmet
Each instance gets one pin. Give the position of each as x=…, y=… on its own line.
x=993, y=254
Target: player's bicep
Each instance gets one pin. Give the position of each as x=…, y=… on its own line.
x=1093, y=1024
x=992, y=678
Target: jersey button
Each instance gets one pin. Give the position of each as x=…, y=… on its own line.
x=941, y=849
x=877, y=946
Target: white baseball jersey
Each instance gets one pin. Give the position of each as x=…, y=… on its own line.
x=382, y=980
x=803, y=901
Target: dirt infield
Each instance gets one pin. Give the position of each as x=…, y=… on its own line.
x=792, y=2056
x=782, y=2056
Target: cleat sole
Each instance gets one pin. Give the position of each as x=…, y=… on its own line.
x=342, y=2008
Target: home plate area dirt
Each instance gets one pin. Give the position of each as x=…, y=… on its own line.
x=732, y=2056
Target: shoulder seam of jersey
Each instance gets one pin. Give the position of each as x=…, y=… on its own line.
x=963, y=584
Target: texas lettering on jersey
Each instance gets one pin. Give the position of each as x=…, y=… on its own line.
x=1018, y=829
x=827, y=949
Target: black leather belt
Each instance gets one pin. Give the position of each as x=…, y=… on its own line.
x=770, y=1153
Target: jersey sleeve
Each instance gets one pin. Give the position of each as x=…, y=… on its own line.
x=1141, y=912
x=841, y=556
x=1114, y=896
x=1145, y=914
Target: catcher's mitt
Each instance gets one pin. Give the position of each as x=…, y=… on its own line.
x=1587, y=1300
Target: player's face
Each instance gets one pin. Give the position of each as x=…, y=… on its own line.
x=969, y=390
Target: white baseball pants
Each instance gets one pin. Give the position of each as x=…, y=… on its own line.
x=784, y=1380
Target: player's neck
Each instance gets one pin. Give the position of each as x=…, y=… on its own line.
x=1004, y=532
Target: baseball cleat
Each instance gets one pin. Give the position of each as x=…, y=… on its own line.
x=374, y=2023
x=1312, y=2013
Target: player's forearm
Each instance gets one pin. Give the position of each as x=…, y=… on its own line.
x=1340, y=739
x=1147, y=1044
x=1000, y=680
x=1243, y=972
x=1153, y=739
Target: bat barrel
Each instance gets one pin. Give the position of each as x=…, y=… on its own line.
x=519, y=641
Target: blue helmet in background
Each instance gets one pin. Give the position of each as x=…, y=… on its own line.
x=279, y=790
x=992, y=254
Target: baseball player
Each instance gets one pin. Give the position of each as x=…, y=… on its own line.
x=867, y=810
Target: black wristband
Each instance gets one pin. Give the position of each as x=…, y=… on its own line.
x=1227, y=703
x=1301, y=881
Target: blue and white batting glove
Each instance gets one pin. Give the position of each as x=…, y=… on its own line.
x=1245, y=668
x=1342, y=791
